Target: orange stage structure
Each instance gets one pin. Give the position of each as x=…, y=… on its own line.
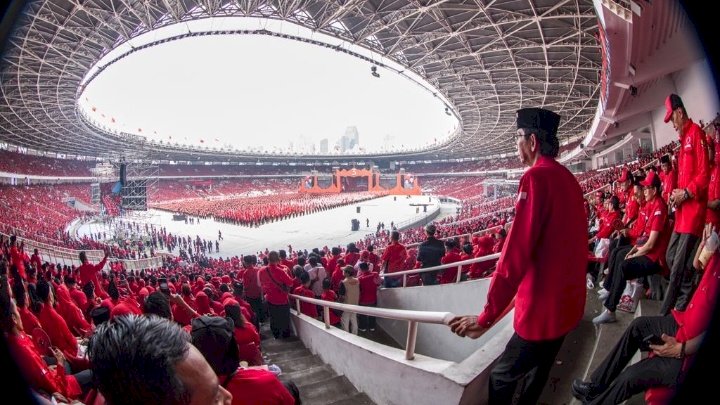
x=354, y=180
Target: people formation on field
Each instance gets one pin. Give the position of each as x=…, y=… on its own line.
x=198, y=321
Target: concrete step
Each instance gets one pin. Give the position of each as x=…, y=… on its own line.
x=312, y=375
x=328, y=391
x=357, y=399
x=300, y=363
x=280, y=357
x=573, y=358
x=281, y=347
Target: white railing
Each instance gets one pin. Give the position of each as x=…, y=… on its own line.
x=459, y=266
x=411, y=317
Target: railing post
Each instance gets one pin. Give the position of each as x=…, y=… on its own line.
x=326, y=317
x=297, y=302
x=459, y=274
x=404, y=280
x=411, y=339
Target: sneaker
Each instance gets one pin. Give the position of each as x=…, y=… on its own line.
x=590, y=284
x=372, y=329
x=605, y=317
x=603, y=294
x=273, y=368
x=584, y=391
x=362, y=330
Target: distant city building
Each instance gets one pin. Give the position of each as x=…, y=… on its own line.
x=323, y=146
x=349, y=141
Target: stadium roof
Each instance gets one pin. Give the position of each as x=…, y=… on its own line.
x=488, y=58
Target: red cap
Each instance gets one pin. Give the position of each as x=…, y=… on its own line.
x=672, y=102
x=650, y=179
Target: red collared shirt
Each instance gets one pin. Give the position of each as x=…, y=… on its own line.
x=695, y=319
x=693, y=175
x=545, y=257
x=656, y=220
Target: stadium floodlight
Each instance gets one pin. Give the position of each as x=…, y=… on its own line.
x=373, y=69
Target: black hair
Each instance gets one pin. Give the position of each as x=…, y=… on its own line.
x=301, y=261
x=19, y=291
x=35, y=302
x=43, y=290
x=134, y=357
x=665, y=159
x=89, y=290
x=6, y=310
x=297, y=270
x=313, y=260
x=224, y=288
x=335, y=251
x=235, y=313
x=467, y=248
x=157, y=304
x=394, y=235
x=615, y=203
x=364, y=266
x=112, y=290
x=304, y=277
x=548, y=144
x=83, y=257
x=327, y=284
x=282, y=253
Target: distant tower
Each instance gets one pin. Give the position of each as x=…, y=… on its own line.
x=353, y=137
x=324, y=146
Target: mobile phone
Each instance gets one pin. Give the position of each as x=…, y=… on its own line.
x=652, y=340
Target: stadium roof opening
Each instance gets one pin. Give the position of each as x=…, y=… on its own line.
x=258, y=85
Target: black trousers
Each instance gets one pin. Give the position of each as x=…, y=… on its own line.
x=619, y=384
x=280, y=320
x=429, y=277
x=680, y=255
x=522, y=359
x=615, y=257
x=628, y=270
x=365, y=321
x=259, y=309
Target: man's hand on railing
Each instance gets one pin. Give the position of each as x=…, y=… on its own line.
x=467, y=326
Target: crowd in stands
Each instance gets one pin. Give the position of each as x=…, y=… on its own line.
x=13, y=162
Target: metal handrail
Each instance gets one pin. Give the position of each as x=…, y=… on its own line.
x=459, y=265
x=412, y=317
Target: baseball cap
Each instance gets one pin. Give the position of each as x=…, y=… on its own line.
x=651, y=180
x=672, y=102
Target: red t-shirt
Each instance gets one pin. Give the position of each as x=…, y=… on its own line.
x=305, y=307
x=656, y=217
x=250, y=283
x=449, y=275
x=329, y=295
x=368, y=287
x=257, y=387
x=394, y=255
x=274, y=294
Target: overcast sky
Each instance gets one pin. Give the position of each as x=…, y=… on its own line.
x=253, y=91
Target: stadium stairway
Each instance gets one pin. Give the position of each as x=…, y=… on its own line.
x=319, y=384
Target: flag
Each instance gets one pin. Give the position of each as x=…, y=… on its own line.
x=94, y=109
x=112, y=119
x=202, y=141
x=139, y=129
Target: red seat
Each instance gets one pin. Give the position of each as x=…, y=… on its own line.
x=659, y=396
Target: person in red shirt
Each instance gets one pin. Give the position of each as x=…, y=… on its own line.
x=690, y=202
x=393, y=259
x=251, y=286
x=452, y=255
x=373, y=259
x=34, y=369
x=17, y=256
x=337, y=275
x=254, y=386
x=712, y=219
x=645, y=258
x=276, y=284
x=89, y=272
x=246, y=336
x=329, y=295
x=680, y=334
x=501, y=235
x=542, y=265
x=305, y=291
x=369, y=283
x=668, y=177
x=35, y=260
x=54, y=324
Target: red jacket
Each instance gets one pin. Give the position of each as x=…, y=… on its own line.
x=545, y=257
x=57, y=330
x=257, y=387
x=694, y=175
x=369, y=283
x=274, y=293
x=713, y=216
x=250, y=283
x=449, y=275
x=329, y=295
x=394, y=255
x=669, y=183
x=89, y=272
x=656, y=220
x=38, y=375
